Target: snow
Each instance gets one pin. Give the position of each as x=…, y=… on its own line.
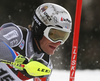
x=80, y=75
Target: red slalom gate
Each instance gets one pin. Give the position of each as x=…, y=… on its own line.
x=75, y=40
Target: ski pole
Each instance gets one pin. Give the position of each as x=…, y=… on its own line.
x=12, y=63
x=33, y=68
x=75, y=39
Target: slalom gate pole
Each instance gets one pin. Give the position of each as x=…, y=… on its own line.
x=75, y=40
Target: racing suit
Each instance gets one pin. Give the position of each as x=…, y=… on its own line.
x=16, y=40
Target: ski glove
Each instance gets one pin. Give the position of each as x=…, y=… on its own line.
x=33, y=68
x=20, y=59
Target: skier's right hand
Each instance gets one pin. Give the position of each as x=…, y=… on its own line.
x=20, y=59
x=33, y=68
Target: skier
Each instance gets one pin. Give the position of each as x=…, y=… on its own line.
x=33, y=46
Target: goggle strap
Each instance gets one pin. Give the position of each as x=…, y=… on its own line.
x=39, y=22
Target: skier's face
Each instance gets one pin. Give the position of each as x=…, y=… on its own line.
x=48, y=46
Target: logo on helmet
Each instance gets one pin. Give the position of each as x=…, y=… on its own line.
x=48, y=17
x=44, y=8
x=63, y=19
x=67, y=27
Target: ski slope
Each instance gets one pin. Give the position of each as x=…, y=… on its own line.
x=81, y=75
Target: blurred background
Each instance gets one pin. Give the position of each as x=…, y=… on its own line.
x=21, y=11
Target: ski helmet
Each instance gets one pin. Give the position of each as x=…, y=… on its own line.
x=53, y=21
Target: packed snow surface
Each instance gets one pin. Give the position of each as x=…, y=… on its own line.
x=80, y=75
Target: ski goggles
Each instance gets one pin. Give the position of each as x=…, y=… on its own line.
x=55, y=34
